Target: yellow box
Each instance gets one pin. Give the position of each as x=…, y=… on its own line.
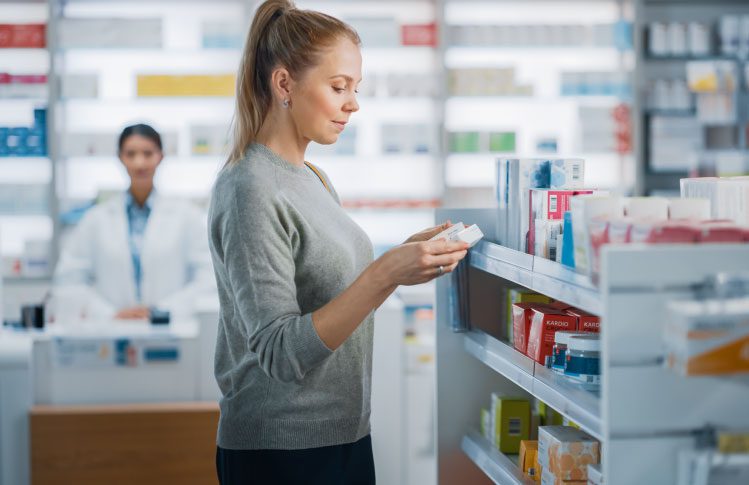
x=186, y=85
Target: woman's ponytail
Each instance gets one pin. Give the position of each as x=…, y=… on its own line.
x=280, y=35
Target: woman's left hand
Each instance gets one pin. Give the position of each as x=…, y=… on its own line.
x=428, y=234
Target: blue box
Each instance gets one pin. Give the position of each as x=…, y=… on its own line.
x=40, y=119
x=568, y=242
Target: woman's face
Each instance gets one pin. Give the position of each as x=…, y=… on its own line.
x=324, y=99
x=141, y=156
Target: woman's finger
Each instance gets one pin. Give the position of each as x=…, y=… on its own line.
x=442, y=246
x=445, y=260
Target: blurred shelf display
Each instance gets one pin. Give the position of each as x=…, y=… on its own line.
x=691, y=61
x=525, y=78
x=26, y=172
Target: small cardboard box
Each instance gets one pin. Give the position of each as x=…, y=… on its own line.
x=522, y=314
x=545, y=323
x=521, y=295
x=512, y=422
x=528, y=460
x=586, y=322
x=566, y=452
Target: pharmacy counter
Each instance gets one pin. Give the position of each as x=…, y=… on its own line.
x=98, y=363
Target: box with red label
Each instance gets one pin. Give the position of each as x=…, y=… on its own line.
x=620, y=230
x=545, y=323
x=522, y=313
x=419, y=34
x=22, y=35
x=548, y=205
x=586, y=322
x=664, y=232
x=720, y=232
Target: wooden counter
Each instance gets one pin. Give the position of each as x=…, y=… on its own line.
x=142, y=444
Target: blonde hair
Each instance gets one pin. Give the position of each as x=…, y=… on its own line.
x=280, y=35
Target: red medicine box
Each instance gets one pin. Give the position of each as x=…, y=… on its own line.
x=522, y=313
x=22, y=35
x=545, y=323
x=586, y=322
x=720, y=232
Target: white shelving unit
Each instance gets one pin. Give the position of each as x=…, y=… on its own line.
x=544, y=114
x=644, y=414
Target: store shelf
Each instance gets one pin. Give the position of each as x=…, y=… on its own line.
x=497, y=466
x=25, y=280
x=574, y=402
x=538, y=274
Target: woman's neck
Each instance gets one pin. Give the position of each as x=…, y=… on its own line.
x=140, y=193
x=278, y=134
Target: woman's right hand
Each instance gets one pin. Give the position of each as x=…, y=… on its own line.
x=418, y=262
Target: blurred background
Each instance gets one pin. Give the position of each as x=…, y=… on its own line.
x=449, y=86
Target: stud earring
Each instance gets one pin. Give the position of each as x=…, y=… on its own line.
x=285, y=103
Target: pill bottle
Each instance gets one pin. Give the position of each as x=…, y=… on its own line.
x=582, y=362
x=559, y=351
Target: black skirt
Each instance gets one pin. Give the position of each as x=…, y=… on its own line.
x=349, y=464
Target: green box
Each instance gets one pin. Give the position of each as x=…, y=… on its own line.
x=521, y=295
x=512, y=422
x=549, y=417
x=464, y=142
x=502, y=141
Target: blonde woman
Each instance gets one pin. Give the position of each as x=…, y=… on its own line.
x=296, y=279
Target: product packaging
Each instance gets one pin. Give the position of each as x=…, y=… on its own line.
x=559, y=352
x=668, y=232
x=163, y=85
x=585, y=209
x=545, y=323
x=720, y=232
x=522, y=317
x=515, y=177
x=691, y=209
x=548, y=478
x=512, y=420
x=568, y=241
x=112, y=32
x=549, y=417
x=22, y=35
x=586, y=322
x=528, y=459
x=486, y=425
x=548, y=205
x=646, y=208
x=566, y=452
x=520, y=295
x=583, y=360
x=707, y=337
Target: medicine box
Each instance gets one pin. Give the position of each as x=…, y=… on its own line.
x=586, y=322
x=708, y=337
x=546, y=321
x=546, y=205
x=528, y=459
x=585, y=209
x=548, y=416
x=566, y=452
x=512, y=421
x=520, y=295
x=112, y=32
x=522, y=318
x=185, y=85
x=23, y=35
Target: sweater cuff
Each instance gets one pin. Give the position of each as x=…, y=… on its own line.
x=310, y=347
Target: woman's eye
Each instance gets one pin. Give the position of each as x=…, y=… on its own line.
x=338, y=90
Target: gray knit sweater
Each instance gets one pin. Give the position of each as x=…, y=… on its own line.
x=283, y=247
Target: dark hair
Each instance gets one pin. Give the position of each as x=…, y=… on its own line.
x=143, y=130
x=280, y=35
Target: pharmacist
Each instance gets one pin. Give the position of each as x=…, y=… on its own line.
x=136, y=251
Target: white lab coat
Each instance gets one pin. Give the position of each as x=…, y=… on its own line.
x=95, y=270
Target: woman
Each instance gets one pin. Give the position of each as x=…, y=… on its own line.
x=135, y=251
x=295, y=275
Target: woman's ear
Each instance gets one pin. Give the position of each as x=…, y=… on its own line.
x=281, y=85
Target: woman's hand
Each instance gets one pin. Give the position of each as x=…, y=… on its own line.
x=428, y=234
x=418, y=262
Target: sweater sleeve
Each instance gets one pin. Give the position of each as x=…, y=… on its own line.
x=256, y=242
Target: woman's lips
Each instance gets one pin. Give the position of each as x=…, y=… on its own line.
x=340, y=124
